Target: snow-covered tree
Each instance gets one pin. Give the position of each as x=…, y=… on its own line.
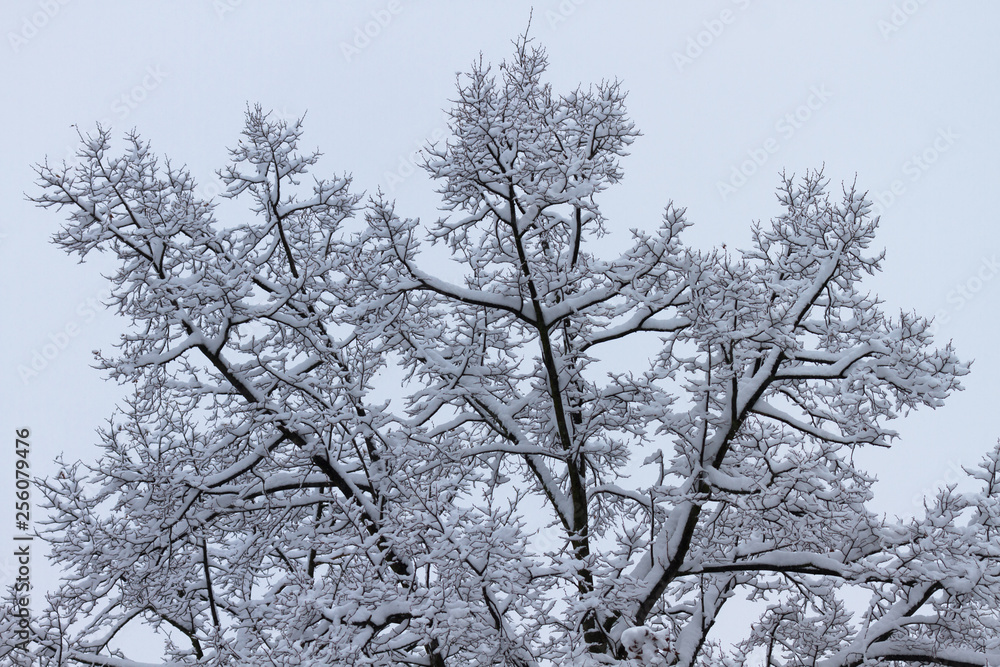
x=344, y=450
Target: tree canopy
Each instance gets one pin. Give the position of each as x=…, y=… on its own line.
x=344, y=449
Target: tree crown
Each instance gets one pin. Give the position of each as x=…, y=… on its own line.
x=510, y=505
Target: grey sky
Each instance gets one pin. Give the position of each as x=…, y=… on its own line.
x=727, y=94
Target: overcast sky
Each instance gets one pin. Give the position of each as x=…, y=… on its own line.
x=901, y=95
